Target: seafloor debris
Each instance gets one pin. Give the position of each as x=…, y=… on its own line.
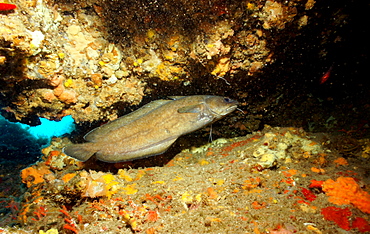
x=223, y=185
x=86, y=59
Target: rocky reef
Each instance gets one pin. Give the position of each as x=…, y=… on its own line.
x=298, y=66
x=90, y=59
x=280, y=180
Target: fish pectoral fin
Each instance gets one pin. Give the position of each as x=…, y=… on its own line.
x=81, y=152
x=198, y=108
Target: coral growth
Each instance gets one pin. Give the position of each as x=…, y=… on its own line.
x=34, y=175
x=277, y=15
x=219, y=186
x=342, y=217
x=338, y=215
x=344, y=191
x=341, y=161
x=69, y=59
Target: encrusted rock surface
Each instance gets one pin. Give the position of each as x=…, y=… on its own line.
x=87, y=58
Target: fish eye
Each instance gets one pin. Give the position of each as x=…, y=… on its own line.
x=228, y=100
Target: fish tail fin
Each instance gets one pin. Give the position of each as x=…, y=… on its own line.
x=81, y=152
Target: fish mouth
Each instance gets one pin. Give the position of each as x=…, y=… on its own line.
x=233, y=104
x=231, y=109
x=225, y=111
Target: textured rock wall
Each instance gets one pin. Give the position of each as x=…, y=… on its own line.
x=90, y=58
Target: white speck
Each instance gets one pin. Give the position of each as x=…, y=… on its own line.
x=37, y=38
x=112, y=80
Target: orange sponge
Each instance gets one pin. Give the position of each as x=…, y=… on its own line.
x=34, y=175
x=346, y=191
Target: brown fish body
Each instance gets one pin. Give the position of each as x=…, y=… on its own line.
x=152, y=129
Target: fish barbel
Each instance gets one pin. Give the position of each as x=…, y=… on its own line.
x=152, y=129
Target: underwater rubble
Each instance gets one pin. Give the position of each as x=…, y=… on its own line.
x=279, y=180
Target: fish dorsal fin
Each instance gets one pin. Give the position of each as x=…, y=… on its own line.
x=198, y=108
x=176, y=97
x=95, y=134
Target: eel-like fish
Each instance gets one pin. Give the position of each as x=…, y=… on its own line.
x=152, y=129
